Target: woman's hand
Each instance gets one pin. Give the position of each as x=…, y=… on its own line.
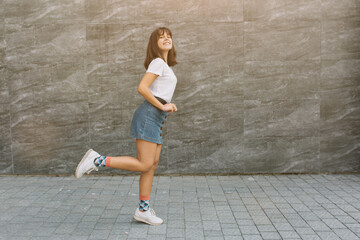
x=170, y=107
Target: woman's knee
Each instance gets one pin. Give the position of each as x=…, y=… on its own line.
x=150, y=167
x=154, y=166
x=147, y=166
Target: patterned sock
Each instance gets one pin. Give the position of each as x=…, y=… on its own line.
x=100, y=161
x=144, y=205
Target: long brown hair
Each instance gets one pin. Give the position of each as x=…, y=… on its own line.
x=153, y=50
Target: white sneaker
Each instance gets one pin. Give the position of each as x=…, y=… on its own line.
x=148, y=217
x=86, y=164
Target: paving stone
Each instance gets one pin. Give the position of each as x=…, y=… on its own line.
x=155, y=237
x=211, y=225
x=346, y=219
x=270, y=235
x=266, y=228
x=248, y=230
x=245, y=222
x=354, y=227
x=192, y=224
x=214, y=238
x=176, y=223
x=233, y=238
x=160, y=229
x=333, y=223
x=228, y=225
x=252, y=237
x=346, y=234
x=85, y=237
x=284, y=226
x=318, y=226
x=65, y=228
x=328, y=235
x=305, y=231
x=213, y=233
x=231, y=231
x=175, y=232
x=289, y=235
x=310, y=237
x=194, y=233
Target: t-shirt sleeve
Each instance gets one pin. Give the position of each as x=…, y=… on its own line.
x=156, y=66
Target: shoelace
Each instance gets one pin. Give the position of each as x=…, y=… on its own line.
x=152, y=212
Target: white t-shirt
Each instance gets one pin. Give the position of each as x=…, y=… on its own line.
x=164, y=85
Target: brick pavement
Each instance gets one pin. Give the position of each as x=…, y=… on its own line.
x=248, y=207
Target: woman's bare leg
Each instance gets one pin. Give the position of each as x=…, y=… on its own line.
x=146, y=152
x=146, y=178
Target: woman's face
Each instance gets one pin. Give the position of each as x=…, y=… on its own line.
x=165, y=42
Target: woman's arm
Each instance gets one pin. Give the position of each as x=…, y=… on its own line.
x=144, y=90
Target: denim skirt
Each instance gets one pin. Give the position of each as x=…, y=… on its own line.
x=148, y=122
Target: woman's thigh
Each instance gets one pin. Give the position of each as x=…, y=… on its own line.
x=146, y=152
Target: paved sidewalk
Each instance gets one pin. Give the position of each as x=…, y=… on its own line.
x=246, y=207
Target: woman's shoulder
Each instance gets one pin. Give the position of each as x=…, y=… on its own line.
x=158, y=60
x=157, y=66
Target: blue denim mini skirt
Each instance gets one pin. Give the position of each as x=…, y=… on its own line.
x=148, y=122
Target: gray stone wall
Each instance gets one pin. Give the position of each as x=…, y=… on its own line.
x=264, y=86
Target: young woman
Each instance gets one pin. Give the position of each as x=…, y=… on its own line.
x=157, y=87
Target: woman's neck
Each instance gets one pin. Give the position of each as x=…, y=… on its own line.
x=165, y=55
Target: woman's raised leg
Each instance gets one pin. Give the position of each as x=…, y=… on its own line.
x=146, y=152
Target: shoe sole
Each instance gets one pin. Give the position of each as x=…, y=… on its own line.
x=82, y=160
x=145, y=221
